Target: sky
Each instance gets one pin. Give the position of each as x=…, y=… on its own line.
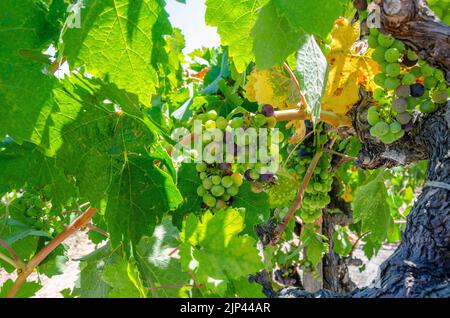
x=190, y=18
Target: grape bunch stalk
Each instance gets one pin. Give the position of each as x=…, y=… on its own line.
x=406, y=84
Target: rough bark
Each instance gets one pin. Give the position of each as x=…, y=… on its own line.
x=420, y=267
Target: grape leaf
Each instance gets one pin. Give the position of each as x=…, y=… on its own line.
x=115, y=42
x=371, y=208
x=313, y=16
x=28, y=289
x=124, y=279
x=274, y=39
x=158, y=264
x=213, y=249
x=313, y=68
x=234, y=20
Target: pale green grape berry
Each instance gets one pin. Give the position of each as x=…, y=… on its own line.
x=373, y=132
x=382, y=128
x=216, y=180
x=207, y=183
x=220, y=204
x=404, y=118
x=392, y=55
x=430, y=82
x=385, y=40
x=201, y=191
x=256, y=187
x=203, y=175
x=393, y=69
x=259, y=120
x=374, y=31
x=217, y=190
x=210, y=124
x=416, y=71
x=227, y=181
x=427, y=70
x=412, y=102
x=399, y=105
x=221, y=123
x=271, y=122
x=427, y=107
x=395, y=127
x=372, y=41
x=388, y=138
x=391, y=83
x=399, y=45
x=212, y=115
x=373, y=117
x=233, y=190
x=200, y=167
x=379, y=79
x=439, y=75
x=378, y=54
x=237, y=122
x=379, y=93
x=408, y=79
x=209, y=200
x=399, y=134
x=412, y=55
x=254, y=175
x=237, y=179
x=439, y=97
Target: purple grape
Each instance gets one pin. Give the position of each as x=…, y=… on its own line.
x=267, y=110
x=417, y=90
x=268, y=177
x=247, y=175
x=408, y=126
x=407, y=62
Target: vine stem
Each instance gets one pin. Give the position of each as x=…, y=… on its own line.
x=298, y=199
x=325, y=116
x=76, y=225
x=15, y=261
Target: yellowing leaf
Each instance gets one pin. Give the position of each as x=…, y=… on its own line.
x=273, y=86
x=349, y=67
x=300, y=131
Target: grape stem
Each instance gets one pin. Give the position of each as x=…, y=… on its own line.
x=78, y=224
x=15, y=261
x=325, y=116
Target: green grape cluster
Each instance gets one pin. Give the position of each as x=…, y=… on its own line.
x=441, y=8
x=316, y=193
x=221, y=181
x=405, y=84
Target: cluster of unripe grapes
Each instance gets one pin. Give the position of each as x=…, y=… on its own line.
x=406, y=83
x=221, y=181
x=441, y=8
x=36, y=210
x=316, y=193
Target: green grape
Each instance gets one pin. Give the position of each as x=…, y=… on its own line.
x=233, y=190
x=399, y=45
x=207, y=183
x=317, y=187
x=393, y=69
x=212, y=115
x=216, y=180
x=392, y=55
x=439, y=75
x=412, y=56
x=388, y=138
x=382, y=128
x=207, y=137
x=379, y=79
x=408, y=79
x=271, y=122
x=237, y=122
x=226, y=196
x=412, y=102
x=373, y=109
x=221, y=204
x=372, y=41
x=237, y=179
x=373, y=117
x=201, y=191
x=383, y=66
x=385, y=40
x=426, y=70
x=399, y=105
x=430, y=82
x=227, y=181
x=391, y=83
x=254, y=175
x=256, y=187
x=200, y=167
x=378, y=54
x=209, y=200
x=400, y=134
x=395, y=127
x=375, y=32
x=217, y=190
x=427, y=107
x=439, y=97
x=403, y=118
x=259, y=120
x=379, y=93
x=210, y=124
x=416, y=71
x=221, y=123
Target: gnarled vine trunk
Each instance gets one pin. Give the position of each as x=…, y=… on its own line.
x=420, y=267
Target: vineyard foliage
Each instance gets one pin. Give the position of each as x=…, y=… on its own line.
x=101, y=135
